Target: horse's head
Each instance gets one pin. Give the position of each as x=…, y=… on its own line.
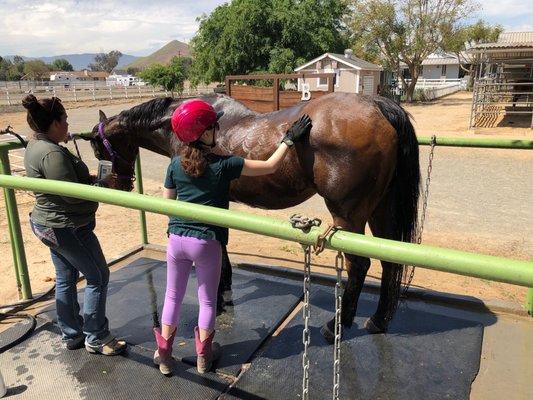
x=147, y=125
x=110, y=141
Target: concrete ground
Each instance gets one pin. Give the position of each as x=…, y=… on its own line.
x=506, y=362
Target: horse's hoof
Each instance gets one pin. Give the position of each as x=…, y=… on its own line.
x=328, y=331
x=227, y=295
x=372, y=327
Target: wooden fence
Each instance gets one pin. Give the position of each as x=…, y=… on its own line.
x=268, y=99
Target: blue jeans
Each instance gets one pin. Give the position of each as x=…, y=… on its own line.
x=76, y=250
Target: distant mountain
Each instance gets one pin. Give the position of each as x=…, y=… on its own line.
x=80, y=61
x=163, y=55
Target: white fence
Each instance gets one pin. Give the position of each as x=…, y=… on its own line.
x=434, y=88
x=422, y=83
x=13, y=95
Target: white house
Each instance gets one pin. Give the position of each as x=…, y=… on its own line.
x=352, y=74
x=123, y=80
x=68, y=77
x=441, y=66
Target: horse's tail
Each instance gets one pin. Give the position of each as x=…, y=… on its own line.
x=405, y=186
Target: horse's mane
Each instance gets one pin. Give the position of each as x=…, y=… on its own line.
x=233, y=112
x=154, y=116
x=145, y=114
x=151, y=112
x=230, y=106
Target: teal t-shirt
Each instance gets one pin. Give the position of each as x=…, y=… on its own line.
x=210, y=189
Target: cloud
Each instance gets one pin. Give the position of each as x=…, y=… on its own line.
x=36, y=28
x=508, y=9
x=53, y=27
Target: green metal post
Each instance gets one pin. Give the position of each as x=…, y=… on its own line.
x=3, y=169
x=458, y=262
x=142, y=214
x=529, y=301
x=17, y=243
x=13, y=253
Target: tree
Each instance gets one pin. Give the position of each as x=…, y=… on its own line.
x=407, y=31
x=5, y=66
x=132, y=70
x=247, y=36
x=36, y=69
x=106, y=62
x=283, y=61
x=62, y=65
x=466, y=37
x=171, y=77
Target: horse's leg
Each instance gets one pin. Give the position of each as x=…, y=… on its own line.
x=227, y=273
x=381, y=225
x=356, y=267
x=225, y=280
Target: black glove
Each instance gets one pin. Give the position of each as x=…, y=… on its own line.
x=298, y=130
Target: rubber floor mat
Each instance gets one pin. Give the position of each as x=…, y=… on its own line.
x=259, y=304
x=427, y=354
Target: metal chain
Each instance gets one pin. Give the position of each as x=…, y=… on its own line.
x=339, y=266
x=306, y=336
x=425, y=197
x=298, y=221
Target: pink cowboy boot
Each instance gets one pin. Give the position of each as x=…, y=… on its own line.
x=163, y=354
x=207, y=352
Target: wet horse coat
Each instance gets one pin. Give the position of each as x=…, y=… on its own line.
x=361, y=156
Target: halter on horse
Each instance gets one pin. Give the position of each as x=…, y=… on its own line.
x=361, y=157
x=123, y=167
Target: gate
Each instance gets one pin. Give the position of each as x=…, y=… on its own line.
x=271, y=98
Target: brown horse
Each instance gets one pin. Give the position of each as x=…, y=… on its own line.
x=361, y=157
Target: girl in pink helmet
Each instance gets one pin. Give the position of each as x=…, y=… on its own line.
x=201, y=177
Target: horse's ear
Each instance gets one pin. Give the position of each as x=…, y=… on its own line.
x=103, y=117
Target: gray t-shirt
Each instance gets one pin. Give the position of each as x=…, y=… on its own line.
x=48, y=160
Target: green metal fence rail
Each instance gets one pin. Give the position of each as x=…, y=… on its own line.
x=490, y=143
x=481, y=266
x=447, y=260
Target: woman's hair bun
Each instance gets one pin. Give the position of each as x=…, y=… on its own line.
x=30, y=102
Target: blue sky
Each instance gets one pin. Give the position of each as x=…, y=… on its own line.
x=138, y=27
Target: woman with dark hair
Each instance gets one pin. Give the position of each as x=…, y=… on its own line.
x=201, y=177
x=66, y=225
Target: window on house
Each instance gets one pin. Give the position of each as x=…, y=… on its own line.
x=324, y=81
x=443, y=70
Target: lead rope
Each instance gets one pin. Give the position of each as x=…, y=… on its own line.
x=339, y=266
x=9, y=131
x=73, y=138
x=425, y=197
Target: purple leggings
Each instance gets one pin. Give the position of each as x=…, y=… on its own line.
x=182, y=252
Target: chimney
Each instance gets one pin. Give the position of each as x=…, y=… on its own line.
x=348, y=53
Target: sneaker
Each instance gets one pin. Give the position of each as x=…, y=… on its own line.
x=75, y=343
x=111, y=348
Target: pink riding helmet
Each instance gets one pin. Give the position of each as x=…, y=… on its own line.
x=191, y=119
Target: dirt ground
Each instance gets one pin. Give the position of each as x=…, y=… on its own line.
x=118, y=228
